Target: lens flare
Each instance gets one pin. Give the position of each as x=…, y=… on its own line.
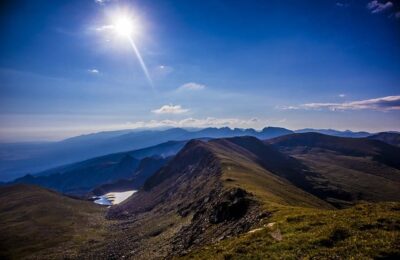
x=126, y=27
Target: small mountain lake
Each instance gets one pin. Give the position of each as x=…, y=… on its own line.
x=113, y=198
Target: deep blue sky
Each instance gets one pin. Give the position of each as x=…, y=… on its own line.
x=295, y=64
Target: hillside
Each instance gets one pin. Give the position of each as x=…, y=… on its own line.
x=387, y=137
x=38, y=223
x=352, y=166
x=366, y=231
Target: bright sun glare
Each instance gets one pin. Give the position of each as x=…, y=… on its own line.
x=124, y=26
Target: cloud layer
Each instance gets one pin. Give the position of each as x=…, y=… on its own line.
x=378, y=104
x=170, y=109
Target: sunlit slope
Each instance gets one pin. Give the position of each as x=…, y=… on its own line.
x=365, y=231
x=38, y=223
x=265, y=172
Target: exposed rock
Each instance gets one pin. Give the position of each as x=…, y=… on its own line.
x=232, y=208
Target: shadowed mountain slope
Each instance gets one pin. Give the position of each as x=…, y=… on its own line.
x=387, y=137
x=353, y=166
x=80, y=178
x=147, y=167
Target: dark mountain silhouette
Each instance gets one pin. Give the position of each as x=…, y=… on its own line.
x=346, y=133
x=82, y=180
x=387, y=137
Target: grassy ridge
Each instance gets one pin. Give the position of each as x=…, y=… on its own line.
x=365, y=231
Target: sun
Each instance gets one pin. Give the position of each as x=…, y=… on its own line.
x=124, y=25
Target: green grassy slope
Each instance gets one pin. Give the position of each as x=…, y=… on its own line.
x=366, y=231
x=244, y=166
x=38, y=223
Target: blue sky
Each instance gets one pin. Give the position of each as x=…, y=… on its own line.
x=295, y=64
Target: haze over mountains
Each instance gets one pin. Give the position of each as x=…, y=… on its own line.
x=19, y=159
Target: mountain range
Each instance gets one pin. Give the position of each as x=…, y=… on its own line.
x=83, y=177
x=19, y=159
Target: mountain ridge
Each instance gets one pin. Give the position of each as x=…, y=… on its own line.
x=19, y=159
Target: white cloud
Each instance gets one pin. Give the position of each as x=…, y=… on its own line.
x=397, y=15
x=342, y=95
x=191, y=86
x=377, y=7
x=170, y=109
x=378, y=104
x=94, y=71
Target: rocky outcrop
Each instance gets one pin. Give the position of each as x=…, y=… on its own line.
x=223, y=214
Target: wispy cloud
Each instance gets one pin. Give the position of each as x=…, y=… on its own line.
x=102, y=2
x=378, y=104
x=342, y=95
x=377, y=7
x=170, y=109
x=104, y=27
x=191, y=86
x=94, y=71
x=340, y=4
